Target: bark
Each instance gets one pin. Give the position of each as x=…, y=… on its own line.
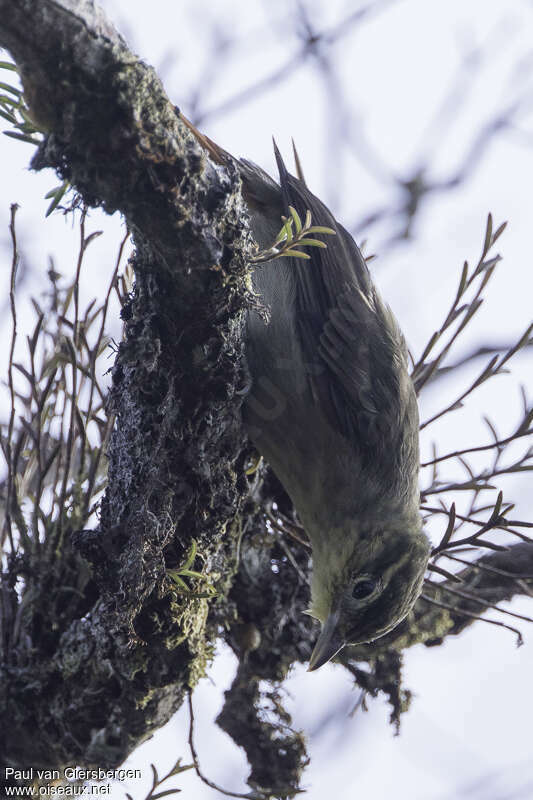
x=126, y=653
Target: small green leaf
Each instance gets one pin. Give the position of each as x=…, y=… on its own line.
x=191, y=573
x=321, y=229
x=296, y=254
x=30, y=124
x=177, y=580
x=288, y=230
x=52, y=192
x=208, y=595
x=10, y=102
x=9, y=117
x=11, y=89
x=312, y=243
x=8, y=65
x=22, y=136
x=57, y=195
x=296, y=218
x=190, y=557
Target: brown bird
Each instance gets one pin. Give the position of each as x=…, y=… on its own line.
x=333, y=410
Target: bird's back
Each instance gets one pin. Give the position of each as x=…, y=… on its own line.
x=331, y=391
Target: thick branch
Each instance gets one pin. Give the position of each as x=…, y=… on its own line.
x=126, y=650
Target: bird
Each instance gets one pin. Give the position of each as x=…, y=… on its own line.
x=333, y=410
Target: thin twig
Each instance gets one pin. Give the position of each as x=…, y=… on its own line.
x=475, y=599
x=423, y=371
x=10, y=480
x=499, y=443
x=444, y=572
x=194, y=756
x=74, y=393
x=480, y=565
x=94, y=356
x=462, y=613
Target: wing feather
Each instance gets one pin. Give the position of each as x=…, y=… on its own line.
x=363, y=385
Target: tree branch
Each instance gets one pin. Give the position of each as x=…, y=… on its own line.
x=129, y=646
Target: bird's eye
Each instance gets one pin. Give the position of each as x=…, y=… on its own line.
x=363, y=588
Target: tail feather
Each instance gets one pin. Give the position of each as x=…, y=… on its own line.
x=298, y=164
x=217, y=153
x=282, y=169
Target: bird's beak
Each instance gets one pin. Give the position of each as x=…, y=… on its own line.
x=328, y=644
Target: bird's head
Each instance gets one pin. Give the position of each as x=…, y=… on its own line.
x=364, y=584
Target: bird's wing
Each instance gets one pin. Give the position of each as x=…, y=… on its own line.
x=361, y=376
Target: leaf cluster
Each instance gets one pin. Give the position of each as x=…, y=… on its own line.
x=288, y=242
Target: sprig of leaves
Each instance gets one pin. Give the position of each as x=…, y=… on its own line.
x=56, y=195
x=186, y=571
x=288, y=241
x=14, y=109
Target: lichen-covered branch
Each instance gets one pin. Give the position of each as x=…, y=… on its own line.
x=130, y=644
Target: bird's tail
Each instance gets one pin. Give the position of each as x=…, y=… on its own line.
x=217, y=153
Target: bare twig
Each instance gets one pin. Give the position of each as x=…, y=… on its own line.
x=463, y=613
x=480, y=600
x=498, y=444
x=9, y=456
x=157, y=781
x=480, y=565
x=423, y=369
x=207, y=781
